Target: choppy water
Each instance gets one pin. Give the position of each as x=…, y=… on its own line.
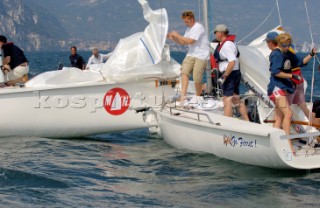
x=137, y=169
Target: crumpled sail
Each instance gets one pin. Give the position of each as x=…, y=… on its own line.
x=255, y=71
x=139, y=56
x=261, y=44
x=66, y=76
x=143, y=55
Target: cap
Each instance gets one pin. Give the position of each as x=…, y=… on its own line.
x=271, y=36
x=3, y=39
x=221, y=28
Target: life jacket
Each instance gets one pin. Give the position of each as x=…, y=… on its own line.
x=290, y=69
x=216, y=54
x=297, y=71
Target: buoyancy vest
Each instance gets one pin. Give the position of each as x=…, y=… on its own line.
x=290, y=66
x=216, y=54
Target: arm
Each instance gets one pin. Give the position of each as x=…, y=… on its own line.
x=276, y=66
x=6, y=62
x=229, y=69
x=309, y=56
x=284, y=75
x=83, y=64
x=90, y=60
x=106, y=56
x=176, y=37
x=229, y=51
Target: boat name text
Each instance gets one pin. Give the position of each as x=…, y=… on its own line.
x=234, y=141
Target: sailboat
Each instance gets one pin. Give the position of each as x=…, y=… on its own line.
x=198, y=129
x=72, y=103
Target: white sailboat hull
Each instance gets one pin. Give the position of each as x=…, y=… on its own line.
x=74, y=111
x=234, y=139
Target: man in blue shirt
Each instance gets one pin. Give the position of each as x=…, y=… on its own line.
x=75, y=59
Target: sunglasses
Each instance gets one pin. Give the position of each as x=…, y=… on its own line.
x=186, y=14
x=285, y=45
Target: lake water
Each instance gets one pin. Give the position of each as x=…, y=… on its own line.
x=138, y=169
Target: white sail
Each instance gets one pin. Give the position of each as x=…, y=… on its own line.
x=139, y=56
x=260, y=42
x=116, y=103
x=143, y=54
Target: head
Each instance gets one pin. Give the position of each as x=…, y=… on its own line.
x=3, y=40
x=284, y=41
x=271, y=40
x=221, y=32
x=95, y=52
x=188, y=18
x=73, y=50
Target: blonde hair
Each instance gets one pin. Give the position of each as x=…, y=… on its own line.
x=187, y=13
x=283, y=38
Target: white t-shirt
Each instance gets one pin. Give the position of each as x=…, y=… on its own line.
x=229, y=52
x=200, y=48
x=100, y=59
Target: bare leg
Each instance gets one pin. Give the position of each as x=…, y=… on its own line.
x=22, y=79
x=243, y=111
x=306, y=111
x=278, y=117
x=286, y=111
x=198, y=87
x=242, y=107
x=227, y=102
x=184, y=83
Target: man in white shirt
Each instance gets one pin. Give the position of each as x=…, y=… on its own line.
x=198, y=54
x=97, y=58
x=226, y=54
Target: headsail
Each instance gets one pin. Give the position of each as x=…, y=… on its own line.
x=143, y=54
x=261, y=45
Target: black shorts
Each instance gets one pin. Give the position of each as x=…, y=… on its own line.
x=232, y=84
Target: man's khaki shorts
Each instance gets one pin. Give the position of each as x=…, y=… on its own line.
x=196, y=65
x=17, y=73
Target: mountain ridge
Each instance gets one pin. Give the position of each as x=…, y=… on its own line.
x=101, y=23
x=30, y=28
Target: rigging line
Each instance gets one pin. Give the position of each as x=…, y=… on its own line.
x=162, y=64
x=264, y=21
x=314, y=63
x=280, y=19
x=210, y=17
x=199, y=10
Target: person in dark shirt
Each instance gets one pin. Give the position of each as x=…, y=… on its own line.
x=75, y=59
x=15, y=64
x=295, y=62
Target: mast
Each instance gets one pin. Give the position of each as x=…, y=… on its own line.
x=205, y=7
x=205, y=15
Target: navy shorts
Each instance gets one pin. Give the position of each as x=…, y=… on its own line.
x=232, y=84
